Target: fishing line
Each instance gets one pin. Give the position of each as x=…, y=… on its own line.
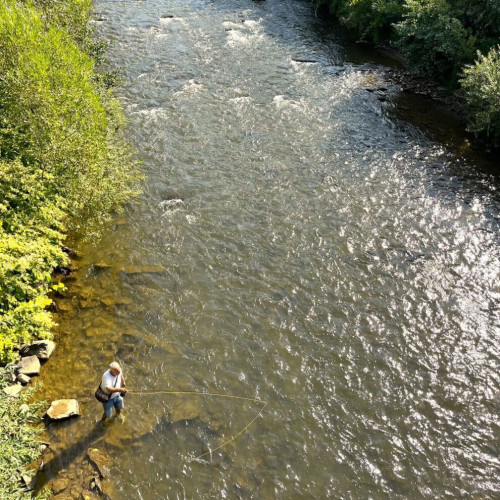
x=212, y=394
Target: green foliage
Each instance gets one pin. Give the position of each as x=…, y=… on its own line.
x=439, y=37
x=63, y=166
x=18, y=444
x=481, y=86
x=73, y=16
x=435, y=42
x=56, y=116
x=482, y=17
x=63, y=163
x=370, y=19
x=30, y=237
x=373, y=19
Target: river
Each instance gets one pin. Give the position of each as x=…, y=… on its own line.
x=296, y=242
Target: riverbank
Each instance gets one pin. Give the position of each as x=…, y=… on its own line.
x=64, y=167
x=449, y=48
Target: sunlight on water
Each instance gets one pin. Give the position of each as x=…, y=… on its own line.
x=297, y=244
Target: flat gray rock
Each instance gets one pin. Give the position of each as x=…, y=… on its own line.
x=42, y=349
x=29, y=365
x=63, y=408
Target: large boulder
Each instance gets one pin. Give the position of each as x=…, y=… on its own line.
x=42, y=349
x=30, y=365
x=63, y=408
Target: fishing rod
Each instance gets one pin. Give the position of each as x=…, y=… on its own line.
x=211, y=394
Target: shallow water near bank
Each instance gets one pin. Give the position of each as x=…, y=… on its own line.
x=298, y=243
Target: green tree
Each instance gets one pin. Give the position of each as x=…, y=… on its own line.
x=435, y=43
x=370, y=19
x=481, y=87
x=63, y=162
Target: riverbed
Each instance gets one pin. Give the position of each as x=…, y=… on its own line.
x=298, y=242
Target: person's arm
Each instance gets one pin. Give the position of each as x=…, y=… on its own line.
x=112, y=389
x=116, y=389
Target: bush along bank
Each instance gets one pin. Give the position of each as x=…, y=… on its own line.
x=20, y=429
x=454, y=43
x=64, y=165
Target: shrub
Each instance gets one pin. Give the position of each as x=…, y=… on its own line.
x=373, y=19
x=54, y=115
x=63, y=162
x=481, y=16
x=481, y=86
x=370, y=19
x=30, y=238
x=18, y=444
x=435, y=43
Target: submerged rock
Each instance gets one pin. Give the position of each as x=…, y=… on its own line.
x=143, y=270
x=42, y=349
x=58, y=485
x=100, y=266
x=88, y=303
x=63, y=408
x=116, y=301
x=30, y=365
x=100, y=460
x=97, y=331
x=185, y=410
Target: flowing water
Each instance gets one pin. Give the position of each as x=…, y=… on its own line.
x=295, y=243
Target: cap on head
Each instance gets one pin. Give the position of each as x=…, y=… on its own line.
x=115, y=366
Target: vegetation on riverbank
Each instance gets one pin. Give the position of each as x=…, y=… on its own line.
x=18, y=442
x=455, y=43
x=64, y=165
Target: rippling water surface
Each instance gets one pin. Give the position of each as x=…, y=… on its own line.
x=294, y=243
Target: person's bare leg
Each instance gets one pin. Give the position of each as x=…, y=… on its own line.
x=103, y=417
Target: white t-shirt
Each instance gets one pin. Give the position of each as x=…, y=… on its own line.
x=109, y=380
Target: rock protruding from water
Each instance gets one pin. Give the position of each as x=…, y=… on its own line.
x=100, y=460
x=101, y=266
x=42, y=349
x=29, y=365
x=63, y=408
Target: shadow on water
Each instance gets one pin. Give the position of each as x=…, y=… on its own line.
x=186, y=438
x=67, y=456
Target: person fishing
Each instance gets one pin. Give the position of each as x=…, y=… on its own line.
x=113, y=383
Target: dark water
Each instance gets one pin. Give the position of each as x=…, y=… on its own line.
x=309, y=249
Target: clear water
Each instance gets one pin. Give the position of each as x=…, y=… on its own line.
x=311, y=251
